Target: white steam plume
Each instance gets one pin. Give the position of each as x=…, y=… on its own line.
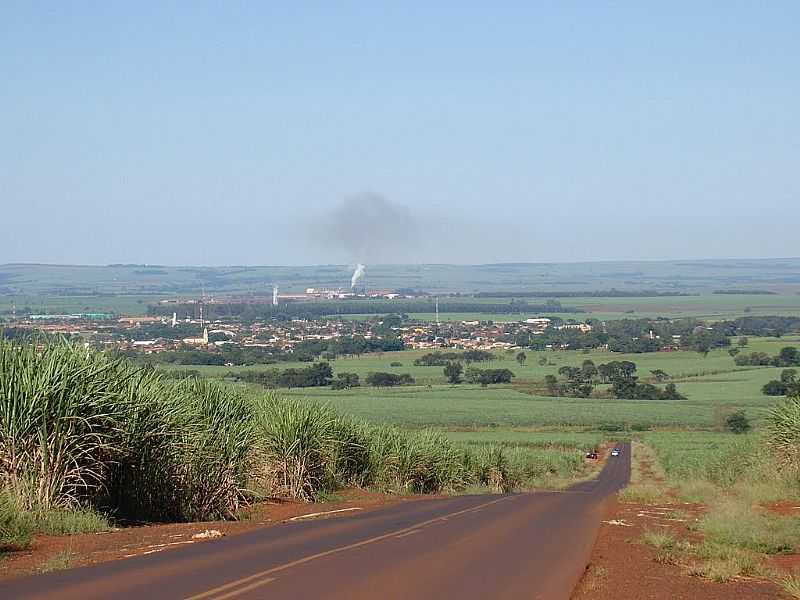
x=357, y=274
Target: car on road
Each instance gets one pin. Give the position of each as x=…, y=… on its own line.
x=592, y=454
x=615, y=452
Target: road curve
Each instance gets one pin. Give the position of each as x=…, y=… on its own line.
x=531, y=545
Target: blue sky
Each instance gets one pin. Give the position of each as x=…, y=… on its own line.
x=227, y=133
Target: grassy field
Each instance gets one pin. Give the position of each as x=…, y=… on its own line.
x=133, y=305
x=712, y=384
x=705, y=306
x=682, y=275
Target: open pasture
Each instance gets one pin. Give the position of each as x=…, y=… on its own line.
x=706, y=306
x=132, y=304
x=679, y=365
x=713, y=385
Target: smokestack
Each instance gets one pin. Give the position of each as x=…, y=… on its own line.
x=357, y=274
x=174, y=319
x=274, y=295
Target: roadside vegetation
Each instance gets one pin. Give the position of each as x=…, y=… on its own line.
x=86, y=438
x=739, y=479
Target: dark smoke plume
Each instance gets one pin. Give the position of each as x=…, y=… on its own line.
x=369, y=228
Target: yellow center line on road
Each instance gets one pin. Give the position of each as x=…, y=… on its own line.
x=407, y=533
x=246, y=588
x=300, y=561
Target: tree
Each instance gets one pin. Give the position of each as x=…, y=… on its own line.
x=788, y=357
x=659, y=375
x=671, y=393
x=381, y=379
x=589, y=370
x=743, y=341
x=774, y=388
x=552, y=385
x=786, y=386
x=521, y=358
x=737, y=422
x=733, y=352
x=453, y=372
x=345, y=381
x=542, y=361
x=488, y=376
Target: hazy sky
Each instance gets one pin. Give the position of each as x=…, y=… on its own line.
x=226, y=133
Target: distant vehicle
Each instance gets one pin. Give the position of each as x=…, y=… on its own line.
x=615, y=452
x=592, y=455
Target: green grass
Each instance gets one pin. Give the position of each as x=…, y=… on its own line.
x=643, y=493
x=712, y=384
x=124, y=304
x=721, y=562
x=58, y=562
x=733, y=522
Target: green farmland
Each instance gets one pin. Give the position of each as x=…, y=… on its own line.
x=712, y=384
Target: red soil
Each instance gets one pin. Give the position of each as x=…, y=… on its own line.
x=622, y=568
x=90, y=548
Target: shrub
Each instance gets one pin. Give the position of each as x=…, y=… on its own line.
x=380, y=379
x=488, y=376
x=15, y=531
x=453, y=372
x=345, y=381
x=737, y=422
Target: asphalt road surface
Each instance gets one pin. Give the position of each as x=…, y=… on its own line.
x=531, y=545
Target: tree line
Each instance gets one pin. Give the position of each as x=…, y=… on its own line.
x=248, y=312
x=580, y=382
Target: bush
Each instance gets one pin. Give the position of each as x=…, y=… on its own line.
x=380, y=379
x=345, y=381
x=453, y=372
x=774, y=388
x=737, y=422
x=488, y=376
x=15, y=531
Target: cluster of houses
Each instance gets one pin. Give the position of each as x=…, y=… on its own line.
x=131, y=333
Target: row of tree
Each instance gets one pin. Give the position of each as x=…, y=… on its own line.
x=581, y=381
x=316, y=375
x=787, y=385
x=440, y=359
x=787, y=357
x=314, y=309
x=455, y=373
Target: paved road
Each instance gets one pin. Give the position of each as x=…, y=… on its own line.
x=532, y=545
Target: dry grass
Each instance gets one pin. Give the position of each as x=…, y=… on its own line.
x=596, y=578
x=791, y=585
x=643, y=493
